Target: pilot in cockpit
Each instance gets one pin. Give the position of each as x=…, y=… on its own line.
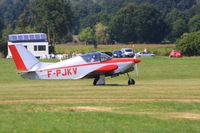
x=94, y=58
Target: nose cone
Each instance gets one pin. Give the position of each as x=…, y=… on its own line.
x=136, y=60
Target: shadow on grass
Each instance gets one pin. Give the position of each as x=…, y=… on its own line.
x=112, y=85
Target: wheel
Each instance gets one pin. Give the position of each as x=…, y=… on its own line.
x=131, y=82
x=95, y=81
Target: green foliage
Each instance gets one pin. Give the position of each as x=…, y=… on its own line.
x=11, y=10
x=85, y=12
x=24, y=23
x=177, y=22
x=123, y=25
x=92, y=20
x=53, y=17
x=1, y=29
x=87, y=34
x=101, y=33
x=6, y=31
x=179, y=27
x=189, y=43
x=151, y=27
x=143, y=24
x=3, y=50
x=194, y=23
x=60, y=19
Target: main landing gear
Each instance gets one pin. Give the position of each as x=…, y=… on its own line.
x=130, y=80
x=100, y=80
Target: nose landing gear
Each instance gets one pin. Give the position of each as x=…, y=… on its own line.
x=130, y=80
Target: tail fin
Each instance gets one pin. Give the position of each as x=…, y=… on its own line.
x=23, y=59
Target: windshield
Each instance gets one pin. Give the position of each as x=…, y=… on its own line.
x=129, y=50
x=105, y=57
x=117, y=52
x=95, y=57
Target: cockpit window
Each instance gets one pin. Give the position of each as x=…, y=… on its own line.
x=105, y=57
x=95, y=57
x=91, y=57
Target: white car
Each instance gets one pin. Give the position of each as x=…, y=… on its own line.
x=143, y=54
x=127, y=52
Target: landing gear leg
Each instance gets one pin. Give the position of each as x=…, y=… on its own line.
x=130, y=80
x=100, y=80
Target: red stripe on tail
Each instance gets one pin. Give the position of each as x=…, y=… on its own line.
x=17, y=58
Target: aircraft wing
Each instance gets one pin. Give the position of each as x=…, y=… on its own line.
x=104, y=70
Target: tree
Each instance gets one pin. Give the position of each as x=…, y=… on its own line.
x=6, y=31
x=92, y=20
x=194, y=23
x=49, y=16
x=101, y=33
x=11, y=10
x=53, y=17
x=123, y=25
x=178, y=28
x=143, y=24
x=23, y=24
x=84, y=9
x=87, y=35
x=177, y=21
x=1, y=29
x=189, y=43
x=151, y=27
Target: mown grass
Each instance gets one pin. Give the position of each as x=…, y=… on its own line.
x=166, y=98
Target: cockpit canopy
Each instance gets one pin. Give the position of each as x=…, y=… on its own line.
x=95, y=57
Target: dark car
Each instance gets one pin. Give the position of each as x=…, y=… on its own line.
x=117, y=53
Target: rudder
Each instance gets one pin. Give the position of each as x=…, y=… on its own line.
x=23, y=59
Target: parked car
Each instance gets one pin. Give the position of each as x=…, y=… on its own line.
x=175, y=53
x=117, y=53
x=144, y=54
x=127, y=52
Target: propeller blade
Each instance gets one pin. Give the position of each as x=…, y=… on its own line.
x=136, y=66
x=136, y=69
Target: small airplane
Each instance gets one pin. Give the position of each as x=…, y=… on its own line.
x=95, y=65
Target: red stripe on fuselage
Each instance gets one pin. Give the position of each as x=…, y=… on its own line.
x=113, y=60
x=17, y=58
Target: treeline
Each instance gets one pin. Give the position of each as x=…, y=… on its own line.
x=101, y=21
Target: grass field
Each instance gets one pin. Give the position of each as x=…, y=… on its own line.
x=165, y=99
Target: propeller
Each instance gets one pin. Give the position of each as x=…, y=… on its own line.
x=136, y=66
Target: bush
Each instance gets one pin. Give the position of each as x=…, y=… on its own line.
x=3, y=49
x=189, y=43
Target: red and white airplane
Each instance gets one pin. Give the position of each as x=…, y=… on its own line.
x=91, y=65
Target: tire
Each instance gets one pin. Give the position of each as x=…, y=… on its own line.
x=131, y=82
x=95, y=81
